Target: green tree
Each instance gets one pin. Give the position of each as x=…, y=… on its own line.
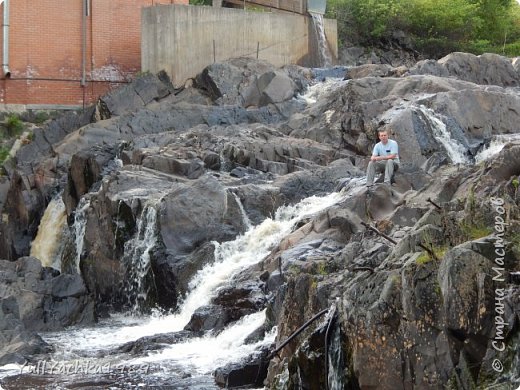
x=436, y=26
x=497, y=19
x=442, y=26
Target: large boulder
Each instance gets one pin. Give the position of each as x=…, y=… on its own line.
x=142, y=91
x=249, y=82
x=485, y=69
x=270, y=88
x=34, y=298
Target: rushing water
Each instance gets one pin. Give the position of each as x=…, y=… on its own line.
x=48, y=242
x=323, y=46
x=496, y=144
x=316, y=91
x=84, y=350
x=137, y=258
x=455, y=150
x=78, y=228
x=245, y=218
x=335, y=360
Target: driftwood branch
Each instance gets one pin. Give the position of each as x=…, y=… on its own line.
x=434, y=204
x=363, y=269
x=368, y=226
x=429, y=251
x=296, y=333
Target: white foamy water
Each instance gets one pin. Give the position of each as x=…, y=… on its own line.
x=455, y=150
x=137, y=256
x=495, y=146
x=79, y=226
x=314, y=92
x=46, y=244
x=245, y=218
x=197, y=355
x=202, y=355
x=230, y=257
x=323, y=46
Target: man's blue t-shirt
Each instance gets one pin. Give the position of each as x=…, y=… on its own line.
x=384, y=150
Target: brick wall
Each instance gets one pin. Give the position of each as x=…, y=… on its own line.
x=45, y=49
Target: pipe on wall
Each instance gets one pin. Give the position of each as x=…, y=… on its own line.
x=84, y=13
x=5, y=57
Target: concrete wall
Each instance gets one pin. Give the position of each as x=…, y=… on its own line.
x=45, y=50
x=183, y=40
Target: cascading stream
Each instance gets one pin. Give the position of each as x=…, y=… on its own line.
x=323, y=46
x=230, y=258
x=245, y=218
x=335, y=360
x=455, y=150
x=198, y=355
x=47, y=244
x=137, y=258
x=79, y=226
x=496, y=144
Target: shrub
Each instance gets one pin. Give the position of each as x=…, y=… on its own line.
x=4, y=154
x=13, y=125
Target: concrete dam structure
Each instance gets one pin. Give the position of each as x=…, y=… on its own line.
x=183, y=40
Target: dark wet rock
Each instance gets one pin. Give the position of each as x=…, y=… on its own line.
x=85, y=169
x=248, y=295
x=507, y=163
x=250, y=372
x=213, y=317
x=198, y=212
x=17, y=343
x=34, y=298
x=155, y=342
x=231, y=303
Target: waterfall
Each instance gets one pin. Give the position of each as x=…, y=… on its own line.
x=245, y=218
x=202, y=354
x=47, y=244
x=316, y=91
x=192, y=360
x=495, y=146
x=335, y=360
x=230, y=258
x=455, y=150
x=137, y=258
x=78, y=228
x=233, y=256
x=323, y=46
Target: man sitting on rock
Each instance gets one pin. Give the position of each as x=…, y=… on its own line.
x=385, y=157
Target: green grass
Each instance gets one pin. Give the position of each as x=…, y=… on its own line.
x=475, y=231
x=14, y=125
x=4, y=154
x=425, y=257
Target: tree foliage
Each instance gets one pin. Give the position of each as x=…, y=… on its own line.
x=435, y=26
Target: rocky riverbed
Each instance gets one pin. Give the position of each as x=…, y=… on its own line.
x=153, y=182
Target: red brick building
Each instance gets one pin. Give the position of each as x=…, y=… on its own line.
x=68, y=52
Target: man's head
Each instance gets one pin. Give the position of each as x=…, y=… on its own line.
x=383, y=136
